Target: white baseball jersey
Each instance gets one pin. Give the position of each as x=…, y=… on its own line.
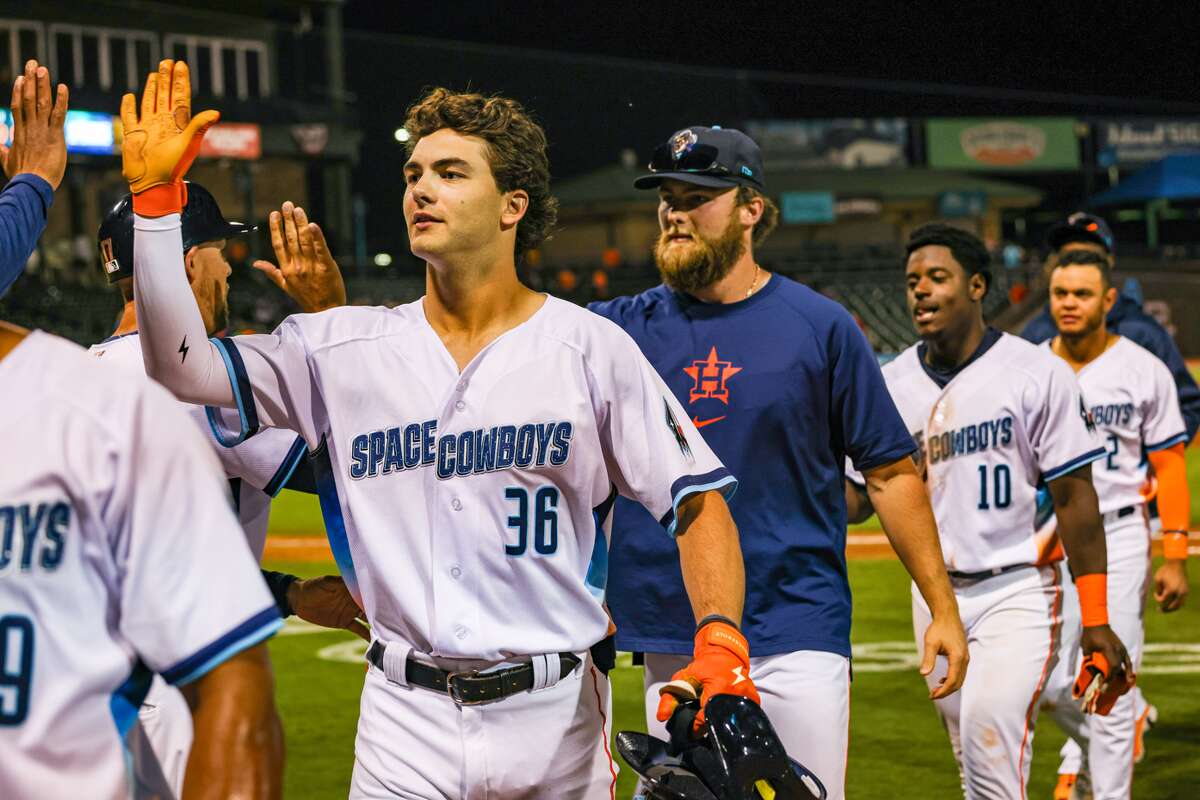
x=1135, y=408
x=119, y=556
x=476, y=506
x=257, y=468
x=469, y=512
x=1007, y=421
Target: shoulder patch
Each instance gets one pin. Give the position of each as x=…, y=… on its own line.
x=677, y=430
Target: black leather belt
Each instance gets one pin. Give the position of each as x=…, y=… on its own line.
x=1120, y=513
x=471, y=687
x=987, y=573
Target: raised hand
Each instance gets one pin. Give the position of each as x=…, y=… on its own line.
x=39, y=146
x=160, y=144
x=306, y=270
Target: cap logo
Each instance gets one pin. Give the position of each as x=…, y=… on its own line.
x=682, y=143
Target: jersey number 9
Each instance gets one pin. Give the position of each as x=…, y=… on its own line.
x=544, y=523
x=16, y=668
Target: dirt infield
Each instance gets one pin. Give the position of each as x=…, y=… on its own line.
x=859, y=545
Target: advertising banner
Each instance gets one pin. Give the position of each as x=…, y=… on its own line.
x=831, y=143
x=1133, y=142
x=232, y=140
x=806, y=207
x=962, y=204
x=1017, y=143
x=85, y=131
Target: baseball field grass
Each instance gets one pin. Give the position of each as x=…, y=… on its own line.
x=897, y=745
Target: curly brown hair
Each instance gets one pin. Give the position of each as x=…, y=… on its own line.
x=516, y=149
x=770, y=216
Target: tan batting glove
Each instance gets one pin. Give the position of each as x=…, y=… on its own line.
x=160, y=145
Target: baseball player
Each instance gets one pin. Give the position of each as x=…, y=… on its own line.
x=114, y=520
x=1133, y=403
x=1083, y=231
x=116, y=542
x=996, y=417
x=473, y=443
x=785, y=386
x=258, y=467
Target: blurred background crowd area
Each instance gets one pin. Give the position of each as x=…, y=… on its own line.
x=313, y=94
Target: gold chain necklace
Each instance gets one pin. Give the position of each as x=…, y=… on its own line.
x=754, y=283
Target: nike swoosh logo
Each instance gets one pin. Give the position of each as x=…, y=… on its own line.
x=700, y=423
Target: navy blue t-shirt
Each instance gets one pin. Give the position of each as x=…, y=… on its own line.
x=782, y=386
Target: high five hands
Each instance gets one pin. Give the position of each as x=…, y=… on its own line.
x=306, y=269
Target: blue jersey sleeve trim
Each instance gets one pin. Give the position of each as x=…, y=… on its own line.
x=718, y=479
x=335, y=523
x=291, y=461
x=129, y=696
x=243, y=395
x=1179, y=438
x=1074, y=464
x=254, y=630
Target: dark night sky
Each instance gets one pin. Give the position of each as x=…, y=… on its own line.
x=1067, y=62
x=1133, y=52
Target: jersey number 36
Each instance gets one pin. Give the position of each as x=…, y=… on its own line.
x=544, y=520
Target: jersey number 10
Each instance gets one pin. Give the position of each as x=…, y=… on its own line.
x=544, y=523
x=1001, y=486
x=16, y=668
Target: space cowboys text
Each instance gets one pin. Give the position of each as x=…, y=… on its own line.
x=469, y=452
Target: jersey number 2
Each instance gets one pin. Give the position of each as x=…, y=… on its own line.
x=544, y=523
x=1001, y=486
x=16, y=668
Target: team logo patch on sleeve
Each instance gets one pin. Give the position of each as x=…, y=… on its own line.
x=677, y=430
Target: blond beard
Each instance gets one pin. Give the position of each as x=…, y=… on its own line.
x=702, y=263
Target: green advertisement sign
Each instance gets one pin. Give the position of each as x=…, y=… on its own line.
x=1015, y=143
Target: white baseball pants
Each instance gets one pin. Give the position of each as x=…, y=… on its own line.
x=551, y=743
x=1108, y=740
x=1012, y=622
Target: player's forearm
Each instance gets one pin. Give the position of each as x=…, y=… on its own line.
x=898, y=495
x=175, y=346
x=237, y=749
x=858, y=502
x=1079, y=522
x=710, y=557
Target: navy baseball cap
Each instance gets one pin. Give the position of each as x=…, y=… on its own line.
x=1081, y=227
x=718, y=157
x=201, y=222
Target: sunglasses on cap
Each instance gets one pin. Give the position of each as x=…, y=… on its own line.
x=700, y=159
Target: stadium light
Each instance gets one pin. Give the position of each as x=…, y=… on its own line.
x=383, y=259
x=402, y=135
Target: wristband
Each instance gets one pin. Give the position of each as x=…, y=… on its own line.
x=160, y=200
x=716, y=618
x=1175, y=544
x=1093, y=599
x=278, y=583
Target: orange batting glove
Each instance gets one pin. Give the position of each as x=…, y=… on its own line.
x=158, y=147
x=720, y=665
x=1094, y=691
